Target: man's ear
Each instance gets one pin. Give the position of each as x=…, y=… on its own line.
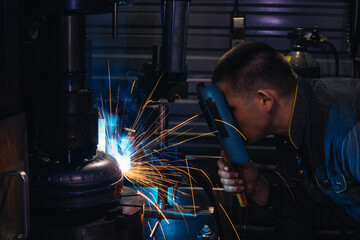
x=266, y=99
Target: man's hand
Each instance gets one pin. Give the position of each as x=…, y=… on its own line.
x=246, y=178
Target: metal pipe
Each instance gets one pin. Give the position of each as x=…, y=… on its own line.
x=176, y=26
x=115, y=21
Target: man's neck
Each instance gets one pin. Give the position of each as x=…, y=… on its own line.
x=283, y=115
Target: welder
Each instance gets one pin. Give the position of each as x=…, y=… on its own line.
x=316, y=124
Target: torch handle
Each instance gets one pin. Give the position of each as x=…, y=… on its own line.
x=242, y=199
x=240, y=196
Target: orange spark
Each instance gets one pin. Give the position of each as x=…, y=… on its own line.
x=287, y=185
x=229, y=221
x=154, y=206
x=218, y=120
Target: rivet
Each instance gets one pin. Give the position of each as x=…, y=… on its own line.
x=301, y=172
x=338, y=184
x=326, y=182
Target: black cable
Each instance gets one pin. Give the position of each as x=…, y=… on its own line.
x=336, y=56
x=354, y=70
x=236, y=6
x=204, y=183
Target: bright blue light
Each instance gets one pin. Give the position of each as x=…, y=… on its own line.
x=101, y=135
x=121, y=150
x=112, y=143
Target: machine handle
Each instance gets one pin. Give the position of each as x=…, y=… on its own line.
x=25, y=201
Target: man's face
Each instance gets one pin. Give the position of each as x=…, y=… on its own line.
x=248, y=113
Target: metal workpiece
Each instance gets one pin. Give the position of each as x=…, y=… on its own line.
x=92, y=182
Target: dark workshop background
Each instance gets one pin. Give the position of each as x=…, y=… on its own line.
x=140, y=28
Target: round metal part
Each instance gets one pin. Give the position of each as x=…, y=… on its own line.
x=92, y=182
x=123, y=219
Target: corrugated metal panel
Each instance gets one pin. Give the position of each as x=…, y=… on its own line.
x=208, y=37
x=268, y=21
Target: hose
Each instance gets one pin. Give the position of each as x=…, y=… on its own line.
x=336, y=56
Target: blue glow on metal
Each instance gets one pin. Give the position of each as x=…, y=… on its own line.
x=101, y=135
x=115, y=143
x=121, y=150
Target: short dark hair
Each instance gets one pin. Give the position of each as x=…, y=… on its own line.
x=254, y=65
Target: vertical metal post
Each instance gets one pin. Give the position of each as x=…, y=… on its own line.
x=176, y=27
x=115, y=20
x=68, y=60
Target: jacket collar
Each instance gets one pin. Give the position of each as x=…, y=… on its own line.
x=300, y=113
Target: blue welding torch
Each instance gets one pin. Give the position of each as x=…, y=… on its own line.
x=220, y=120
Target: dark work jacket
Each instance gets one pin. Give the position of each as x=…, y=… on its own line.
x=320, y=157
